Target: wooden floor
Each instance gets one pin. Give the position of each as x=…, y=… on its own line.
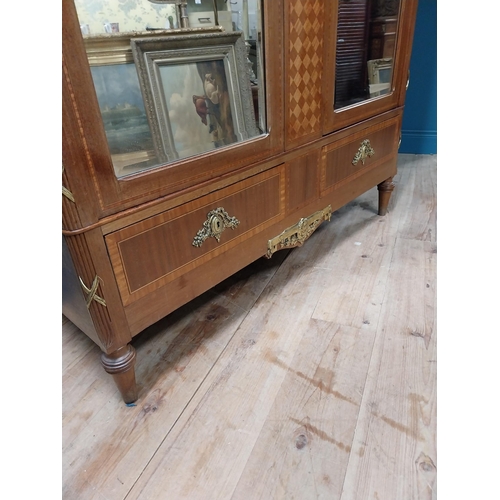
x=310, y=375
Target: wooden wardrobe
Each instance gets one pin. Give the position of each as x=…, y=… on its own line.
x=154, y=216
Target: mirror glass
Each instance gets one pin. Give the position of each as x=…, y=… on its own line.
x=174, y=78
x=366, y=41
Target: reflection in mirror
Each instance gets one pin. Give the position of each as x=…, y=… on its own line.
x=366, y=41
x=114, y=16
x=176, y=111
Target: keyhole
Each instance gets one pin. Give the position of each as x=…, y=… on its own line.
x=217, y=225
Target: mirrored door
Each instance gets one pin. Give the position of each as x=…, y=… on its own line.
x=366, y=41
x=174, y=78
x=366, y=47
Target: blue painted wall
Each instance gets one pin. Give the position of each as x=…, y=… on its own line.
x=419, y=129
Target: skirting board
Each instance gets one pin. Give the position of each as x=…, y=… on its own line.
x=418, y=142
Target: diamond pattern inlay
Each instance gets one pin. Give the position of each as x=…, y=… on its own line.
x=305, y=67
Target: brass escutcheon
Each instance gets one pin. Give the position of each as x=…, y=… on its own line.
x=365, y=150
x=217, y=221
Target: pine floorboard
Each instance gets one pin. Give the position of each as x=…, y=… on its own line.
x=310, y=375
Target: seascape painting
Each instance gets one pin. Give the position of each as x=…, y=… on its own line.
x=122, y=108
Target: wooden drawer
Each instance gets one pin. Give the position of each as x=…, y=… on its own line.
x=155, y=251
x=345, y=160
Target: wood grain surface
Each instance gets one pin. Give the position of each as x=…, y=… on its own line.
x=310, y=375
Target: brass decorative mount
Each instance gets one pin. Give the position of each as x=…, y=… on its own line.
x=92, y=292
x=66, y=192
x=217, y=221
x=365, y=150
x=296, y=235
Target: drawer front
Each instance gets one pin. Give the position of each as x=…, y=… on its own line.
x=153, y=252
x=349, y=158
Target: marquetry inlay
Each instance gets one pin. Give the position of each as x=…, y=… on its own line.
x=305, y=67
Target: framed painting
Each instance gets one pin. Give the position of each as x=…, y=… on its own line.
x=123, y=113
x=120, y=101
x=196, y=90
x=119, y=95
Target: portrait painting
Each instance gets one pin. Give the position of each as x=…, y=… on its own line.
x=197, y=92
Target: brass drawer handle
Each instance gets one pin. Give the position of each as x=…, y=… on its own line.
x=217, y=221
x=364, y=151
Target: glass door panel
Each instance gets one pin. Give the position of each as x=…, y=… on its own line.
x=366, y=41
x=173, y=78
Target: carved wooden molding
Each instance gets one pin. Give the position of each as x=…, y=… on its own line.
x=120, y=361
x=386, y=186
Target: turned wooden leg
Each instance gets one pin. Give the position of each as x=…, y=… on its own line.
x=385, y=190
x=120, y=364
